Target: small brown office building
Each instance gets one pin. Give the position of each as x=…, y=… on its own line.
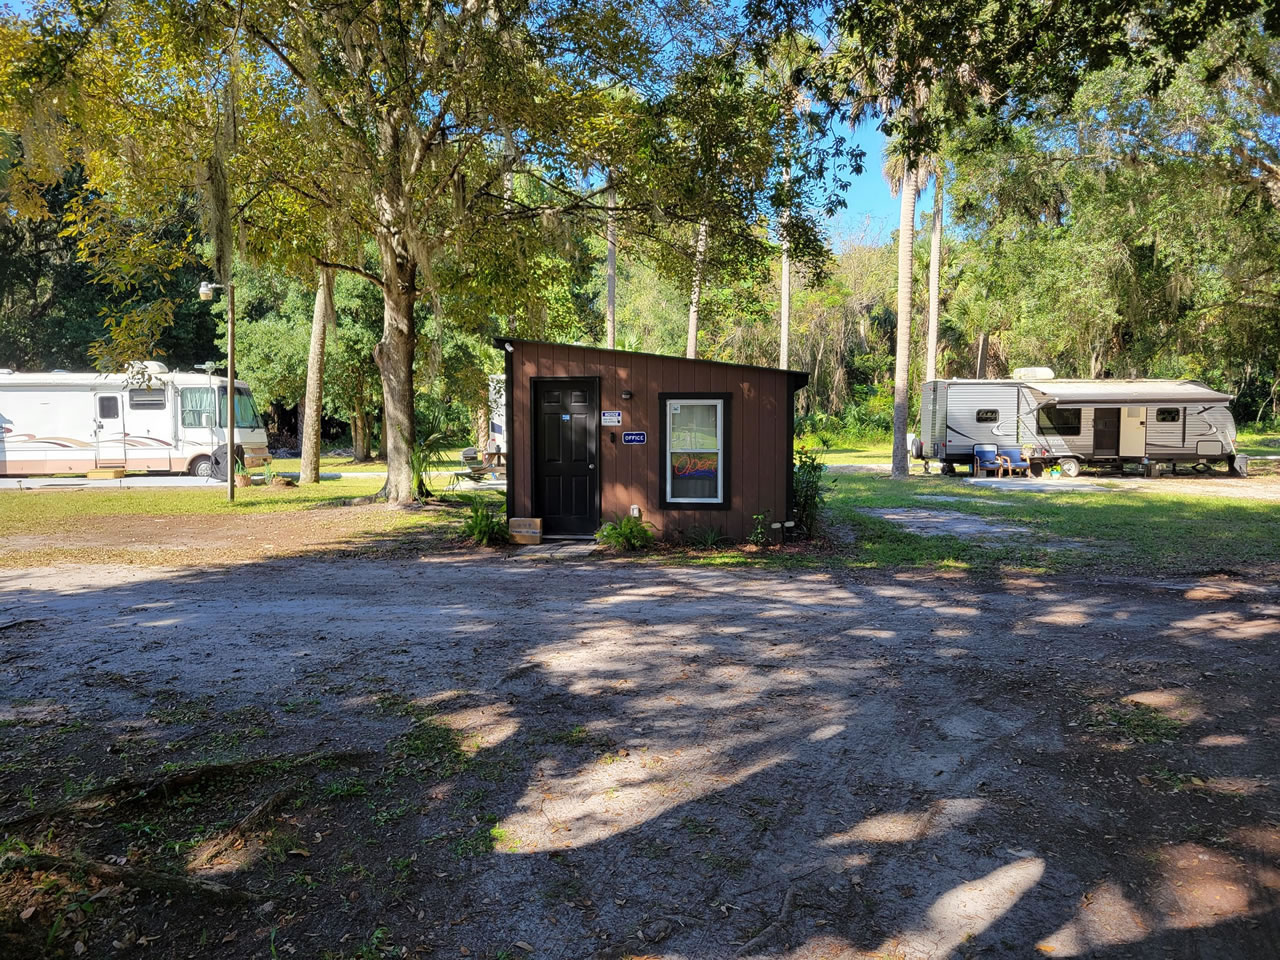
x=691, y=443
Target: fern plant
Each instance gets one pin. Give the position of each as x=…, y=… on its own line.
x=704, y=538
x=484, y=527
x=626, y=533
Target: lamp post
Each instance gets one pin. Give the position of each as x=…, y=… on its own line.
x=206, y=293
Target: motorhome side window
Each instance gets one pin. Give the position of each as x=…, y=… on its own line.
x=146, y=399
x=1063, y=422
x=197, y=407
x=1168, y=415
x=108, y=408
x=988, y=416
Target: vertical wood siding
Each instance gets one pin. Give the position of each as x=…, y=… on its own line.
x=759, y=464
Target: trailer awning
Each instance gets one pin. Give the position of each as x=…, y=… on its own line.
x=1125, y=393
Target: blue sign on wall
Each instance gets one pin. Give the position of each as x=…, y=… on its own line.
x=635, y=436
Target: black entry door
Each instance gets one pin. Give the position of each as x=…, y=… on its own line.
x=1106, y=432
x=566, y=480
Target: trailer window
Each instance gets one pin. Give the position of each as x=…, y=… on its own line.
x=1063, y=422
x=694, y=451
x=197, y=407
x=146, y=398
x=988, y=416
x=1168, y=415
x=108, y=408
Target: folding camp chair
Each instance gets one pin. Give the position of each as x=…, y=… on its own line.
x=987, y=458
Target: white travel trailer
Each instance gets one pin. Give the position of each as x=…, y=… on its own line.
x=153, y=420
x=498, y=440
x=1048, y=421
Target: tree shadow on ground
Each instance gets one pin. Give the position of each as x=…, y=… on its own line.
x=613, y=759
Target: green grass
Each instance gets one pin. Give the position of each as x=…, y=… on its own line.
x=34, y=512
x=347, y=465
x=1125, y=530
x=1140, y=722
x=841, y=451
x=1255, y=444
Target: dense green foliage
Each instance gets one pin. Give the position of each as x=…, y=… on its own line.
x=810, y=487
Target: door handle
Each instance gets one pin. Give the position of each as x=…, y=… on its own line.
x=591, y=466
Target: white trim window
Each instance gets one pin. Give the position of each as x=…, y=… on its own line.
x=695, y=451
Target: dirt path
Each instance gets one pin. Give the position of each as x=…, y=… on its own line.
x=611, y=760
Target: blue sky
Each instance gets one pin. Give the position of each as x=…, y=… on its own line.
x=872, y=212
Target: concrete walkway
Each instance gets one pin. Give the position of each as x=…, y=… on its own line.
x=557, y=550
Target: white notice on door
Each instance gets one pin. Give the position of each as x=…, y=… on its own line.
x=611, y=418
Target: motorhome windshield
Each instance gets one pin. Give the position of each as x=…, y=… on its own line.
x=246, y=411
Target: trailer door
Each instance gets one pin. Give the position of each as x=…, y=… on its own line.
x=1133, y=432
x=108, y=429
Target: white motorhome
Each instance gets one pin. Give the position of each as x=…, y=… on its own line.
x=150, y=420
x=1073, y=422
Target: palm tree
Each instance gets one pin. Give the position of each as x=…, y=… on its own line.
x=930, y=167
x=935, y=269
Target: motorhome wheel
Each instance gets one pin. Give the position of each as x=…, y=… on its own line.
x=1070, y=467
x=201, y=467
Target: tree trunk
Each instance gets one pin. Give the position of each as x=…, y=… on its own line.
x=480, y=420
x=394, y=356
x=784, y=335
x=983, y=339
x=935, y=268
x=902, y=343
x=611, y=275
x=784, y=346
x=321, y=320
x=359, y=435
x=695, y=292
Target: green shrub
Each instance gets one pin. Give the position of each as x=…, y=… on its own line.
x=484, y=527
x=626, y=533
x=704, y=538
x=810, y=490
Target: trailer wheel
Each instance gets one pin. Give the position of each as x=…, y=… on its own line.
x=200, y=467
x=1070, y=467
x=1036, y=469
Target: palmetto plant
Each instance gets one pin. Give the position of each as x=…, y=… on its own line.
x=434, y=442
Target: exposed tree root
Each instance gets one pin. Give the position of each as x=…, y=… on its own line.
x=140, y=877
x=209, y=851
x=9, y=625
x=765, y=935
x=129, y=790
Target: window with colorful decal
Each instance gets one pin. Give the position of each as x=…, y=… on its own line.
x=695, y=451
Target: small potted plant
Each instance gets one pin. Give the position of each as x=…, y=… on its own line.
x=243, y=477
